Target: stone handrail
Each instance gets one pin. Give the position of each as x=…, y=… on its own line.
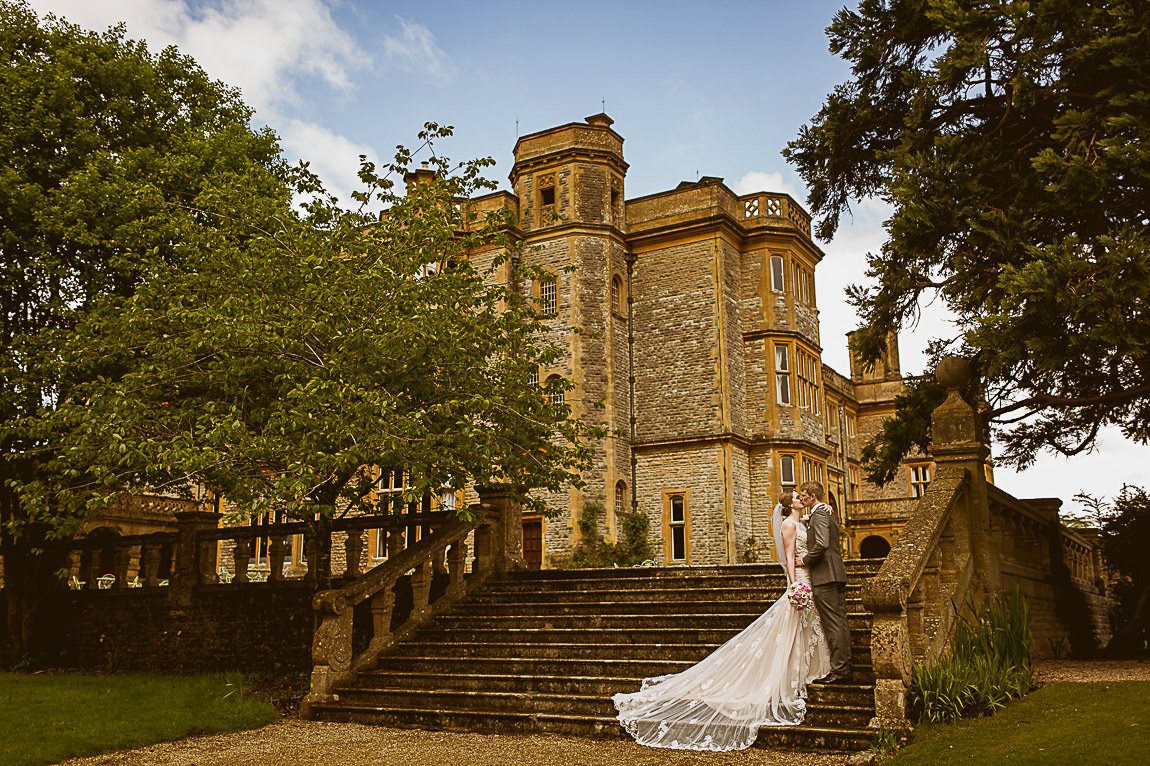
x=498, y=547
x=942, y=561
x=917, y=592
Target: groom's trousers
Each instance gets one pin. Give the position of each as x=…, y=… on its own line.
x=831, y=601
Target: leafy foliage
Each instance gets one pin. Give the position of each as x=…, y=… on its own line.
x=907, y=431
x=990, y=665
x=1125, y=540
x=633, y=546
x=1011, y=140
x=289, y=352
x=110, y=153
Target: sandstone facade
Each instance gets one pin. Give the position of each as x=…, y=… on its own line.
x=711, y=296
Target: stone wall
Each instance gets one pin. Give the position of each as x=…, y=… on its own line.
x=250, y=628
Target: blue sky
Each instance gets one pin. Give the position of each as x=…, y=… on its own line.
x=695, y=88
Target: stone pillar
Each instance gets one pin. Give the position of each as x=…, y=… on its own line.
x=506, y=522
x=957, y=442
x=191, y=560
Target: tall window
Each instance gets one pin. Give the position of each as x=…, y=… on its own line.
x=617, y=295
x=620, y=498
x=390, y=488
x=787, y=472
x=777, y=282
x=677, y=527
x=547, y=295
x=547, y=194
x=854, y=477
x=808, y=381
x=557, y=395
x=803, y=283
x=782, y=374
x=919, y=479
x=812, y=470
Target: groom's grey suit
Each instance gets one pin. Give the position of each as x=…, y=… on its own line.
x=829, y=583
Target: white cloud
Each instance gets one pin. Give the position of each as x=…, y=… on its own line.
x=332, y=157
x=263, y=47
x=760, y=181
x=259, y=46
x=415, y=50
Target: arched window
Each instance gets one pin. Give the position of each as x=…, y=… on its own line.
x=874, y=547
x=620, y=498
x=617, y=304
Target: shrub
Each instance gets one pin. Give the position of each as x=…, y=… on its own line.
x=630, y=549
x=990, y=665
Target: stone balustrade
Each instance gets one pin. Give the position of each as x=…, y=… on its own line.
x=941, y=562
x=497, y=533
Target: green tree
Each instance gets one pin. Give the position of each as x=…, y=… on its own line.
x=109, y=151
x=1012, y=140
x=284, y=355
x=1125, y=540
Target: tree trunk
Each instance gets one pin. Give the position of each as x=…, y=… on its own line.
x=1127, y=642
x=31, y=563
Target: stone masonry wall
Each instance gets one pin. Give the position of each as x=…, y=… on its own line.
x=245, y=628
x=676, y=343
x=698, y=471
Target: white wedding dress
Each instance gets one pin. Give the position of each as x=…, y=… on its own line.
x=758, y=678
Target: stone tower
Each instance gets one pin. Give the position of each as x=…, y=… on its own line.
x=569, y=181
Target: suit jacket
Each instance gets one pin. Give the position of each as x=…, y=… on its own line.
x=823, y=559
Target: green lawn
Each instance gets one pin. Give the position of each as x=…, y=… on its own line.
x=49, y=717
x=1073, y=724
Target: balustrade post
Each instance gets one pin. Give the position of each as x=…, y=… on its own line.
x=420, y=590
x=382, y=609
x=277, y=554
x=890, y=651
x=352, y=551
x=121, y=560
x=241, y=558
x=394, y=541
x=958, y=442
x=505, y=519
x=93, y=580
x=150, y=564
x=456, y=562
x=331, y=648
x=189, y=563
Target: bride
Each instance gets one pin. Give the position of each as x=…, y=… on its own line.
x=758, y=678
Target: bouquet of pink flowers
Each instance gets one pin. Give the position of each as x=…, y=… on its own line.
x=801, y=597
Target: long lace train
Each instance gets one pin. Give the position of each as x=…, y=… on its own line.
x=758, y=678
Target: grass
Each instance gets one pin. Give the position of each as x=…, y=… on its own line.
x=48, y=717
x=1071, y=724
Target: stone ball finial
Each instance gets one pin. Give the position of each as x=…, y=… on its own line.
x=953, y=372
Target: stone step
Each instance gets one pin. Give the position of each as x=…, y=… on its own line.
x=691, y=652
x=761, y=597
x=733, y=621
x=413, y=662
x=855, y=568
x=804, y=737
x=860, y=695
x=616, y=606
x=684, y=630
x=585, y=684
x=364, y=695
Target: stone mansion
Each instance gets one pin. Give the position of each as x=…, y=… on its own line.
x=692, y=333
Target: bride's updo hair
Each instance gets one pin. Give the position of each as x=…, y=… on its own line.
x=786, y=500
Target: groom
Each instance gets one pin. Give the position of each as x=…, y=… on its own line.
x=828, y=580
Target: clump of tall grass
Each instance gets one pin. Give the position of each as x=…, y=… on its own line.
x=990, y=665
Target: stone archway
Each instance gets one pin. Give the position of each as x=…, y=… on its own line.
x=874, y=547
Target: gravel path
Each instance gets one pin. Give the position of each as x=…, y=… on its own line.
x=310, y=743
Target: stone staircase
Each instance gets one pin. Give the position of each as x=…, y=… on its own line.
x=544, y=652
